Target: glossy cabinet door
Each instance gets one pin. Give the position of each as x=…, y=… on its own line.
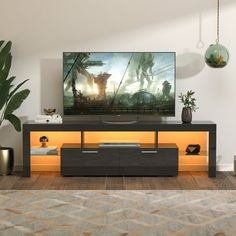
x=77, y=162
x=149, y=162
x=119, y=161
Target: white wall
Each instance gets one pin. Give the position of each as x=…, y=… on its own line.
x=42, y=29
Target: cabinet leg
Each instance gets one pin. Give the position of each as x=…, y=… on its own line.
x=212, y=154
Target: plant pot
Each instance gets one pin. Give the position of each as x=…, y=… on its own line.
x=6, y=160
x=186, y=115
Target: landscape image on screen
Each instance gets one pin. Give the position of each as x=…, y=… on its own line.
x=119, y=83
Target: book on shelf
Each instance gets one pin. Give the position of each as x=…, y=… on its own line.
x=37, y=150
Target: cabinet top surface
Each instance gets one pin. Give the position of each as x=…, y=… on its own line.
x=138, y=123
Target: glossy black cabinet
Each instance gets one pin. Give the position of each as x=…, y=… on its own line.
x=158, y=160
x=161, y=161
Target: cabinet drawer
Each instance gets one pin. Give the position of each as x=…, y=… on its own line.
x=149, y=158
x=88, y=158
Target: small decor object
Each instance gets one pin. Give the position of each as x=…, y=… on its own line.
x=217, y=55
x=43, y=140
x=49, y=111
x=10, y=100
x=6, y=160
x=189, y=105
x=193, y=149
x=186, y=115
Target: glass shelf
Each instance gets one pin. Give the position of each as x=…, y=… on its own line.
x=193, y=162
x=97, y=146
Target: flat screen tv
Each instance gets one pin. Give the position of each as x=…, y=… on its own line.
x=116, y=83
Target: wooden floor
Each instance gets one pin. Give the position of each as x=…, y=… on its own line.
x=53, y=181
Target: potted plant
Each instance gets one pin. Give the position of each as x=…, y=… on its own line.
x=10, y=100
x=189, y=106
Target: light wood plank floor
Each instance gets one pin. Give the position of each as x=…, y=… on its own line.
x=184, y=181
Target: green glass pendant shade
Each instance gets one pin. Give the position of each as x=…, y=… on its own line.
x=217, y=56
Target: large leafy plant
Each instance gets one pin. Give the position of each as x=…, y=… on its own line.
x=10, y=96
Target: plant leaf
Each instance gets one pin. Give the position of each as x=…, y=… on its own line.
x=17, y=87
x=16, y=101
x=15, y=121
x=1, y=43
x=4, y=72
x=5, y=87
x=4, y=52
x=6, y=49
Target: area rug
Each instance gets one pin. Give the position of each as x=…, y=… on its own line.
x=134, y=213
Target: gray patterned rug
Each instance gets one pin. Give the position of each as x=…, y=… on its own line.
x=120, y=213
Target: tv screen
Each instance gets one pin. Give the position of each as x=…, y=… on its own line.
x=99, y=83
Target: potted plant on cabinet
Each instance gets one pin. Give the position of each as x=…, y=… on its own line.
x=10, y=100
x=189, y=106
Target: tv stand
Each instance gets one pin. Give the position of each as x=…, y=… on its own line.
x=157, y=159
x=120, y=122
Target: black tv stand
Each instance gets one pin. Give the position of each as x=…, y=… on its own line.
x=156, y=159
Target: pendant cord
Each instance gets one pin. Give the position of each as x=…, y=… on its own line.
x=218, y=21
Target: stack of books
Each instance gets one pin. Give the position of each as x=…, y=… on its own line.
x=40, y=151
x=44, y=119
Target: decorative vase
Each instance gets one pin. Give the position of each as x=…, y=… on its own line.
x=6, y=160
x=186, y=115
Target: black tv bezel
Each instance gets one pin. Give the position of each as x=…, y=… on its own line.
x=118, y=115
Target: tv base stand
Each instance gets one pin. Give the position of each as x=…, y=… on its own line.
x=120, y=122
x=157, y=160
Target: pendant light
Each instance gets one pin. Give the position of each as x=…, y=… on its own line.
x=217, y=55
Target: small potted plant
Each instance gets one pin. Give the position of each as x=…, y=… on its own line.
x=10, y=100
x=189, y=106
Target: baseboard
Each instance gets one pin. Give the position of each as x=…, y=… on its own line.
x=225, y=167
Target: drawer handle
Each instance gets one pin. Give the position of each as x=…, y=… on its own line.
x=89, y=151
x=149, y=152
